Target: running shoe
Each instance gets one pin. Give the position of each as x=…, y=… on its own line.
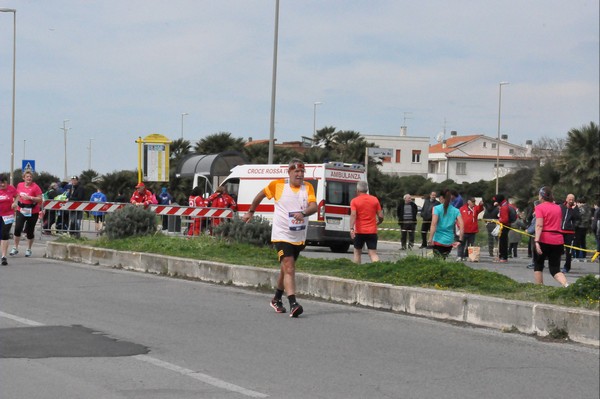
x=296, y=310
x=28, y=253
x=278, y=305
x=4, y=261
x=13, y=251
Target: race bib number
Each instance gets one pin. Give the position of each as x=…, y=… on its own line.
x=8, y=219
x=26, y=212
x=296, y=225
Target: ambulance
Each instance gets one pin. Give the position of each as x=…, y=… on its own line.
x=334, y=184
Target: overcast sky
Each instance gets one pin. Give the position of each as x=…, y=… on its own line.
x=128, y=68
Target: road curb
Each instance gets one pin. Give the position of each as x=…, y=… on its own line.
x=581, y=325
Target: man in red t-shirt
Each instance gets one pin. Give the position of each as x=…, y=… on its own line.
x=365, y=215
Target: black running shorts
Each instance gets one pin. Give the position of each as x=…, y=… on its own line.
x=285, y=249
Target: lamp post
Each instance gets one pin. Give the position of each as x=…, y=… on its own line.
x=65, y=129
x=182, y=115
x=12, y=133
x=24, y=142
x=498, y=143
x=315, y=116
x=273, y=86
x=90, y=155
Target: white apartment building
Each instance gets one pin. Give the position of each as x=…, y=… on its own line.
x=473, y=158
x=410, y=154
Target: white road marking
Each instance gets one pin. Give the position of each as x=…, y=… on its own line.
x=207, y=379
x=20, y=319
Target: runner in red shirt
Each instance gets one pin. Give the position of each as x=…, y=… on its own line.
x=365, y=215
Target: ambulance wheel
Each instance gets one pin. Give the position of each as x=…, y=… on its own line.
x=340, y=248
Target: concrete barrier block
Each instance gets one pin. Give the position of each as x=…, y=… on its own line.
x=343, y=290
x=437, y=304
x=103, y=257
x=57, y=251
x=247, y=276
x=581, y=325
x=75, y=253
x=215, y=272
x=129, y=261
x=383, y=296
x=499, y=313
x=152, y=263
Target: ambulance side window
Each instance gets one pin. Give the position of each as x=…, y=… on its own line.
x=340, y=193
x=335, y=193
x=233, y=188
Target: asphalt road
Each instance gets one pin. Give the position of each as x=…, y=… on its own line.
x=74, y=331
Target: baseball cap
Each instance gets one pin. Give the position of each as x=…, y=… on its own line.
x=140, y=184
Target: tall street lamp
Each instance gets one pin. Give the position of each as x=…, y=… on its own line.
x=315, y=116
x=65, y=129
x=12, y=133
x=498, y=143
x=273, y=86
x=182, y=115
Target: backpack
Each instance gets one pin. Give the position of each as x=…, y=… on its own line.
x=512, y=214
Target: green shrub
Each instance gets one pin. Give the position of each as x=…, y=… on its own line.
x=585, y=290
x=256, y=232
x=130, y=221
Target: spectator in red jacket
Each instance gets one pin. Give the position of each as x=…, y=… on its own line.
x=196, y=200
x=141, y=196
x=220, y=199
x=470, y=215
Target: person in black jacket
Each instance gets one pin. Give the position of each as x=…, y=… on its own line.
x=570, y=217
x=426, y=214
x=407, y=219
x=491, y=211
x=76, y=193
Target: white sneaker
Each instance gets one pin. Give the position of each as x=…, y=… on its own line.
x=28, y=253
x=13, y=251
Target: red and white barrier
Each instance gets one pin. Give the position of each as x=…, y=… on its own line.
x=171, y=210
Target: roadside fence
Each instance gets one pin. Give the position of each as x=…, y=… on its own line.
x=75, y=218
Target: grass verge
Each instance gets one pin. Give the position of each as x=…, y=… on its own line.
x=410, y=271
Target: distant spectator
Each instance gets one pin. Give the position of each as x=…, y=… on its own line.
x=141, y=196
x=164, y=198
x=221, y=199
x=490, y=214
x=581, y=228
x=407, y=219
x=98, y=196
x=514, y=237
x=457, y=200
x=196, y=200
x=120, y=197
x=50, y=216
x=76, y=193
x=504, y=219
x=570, y=218
x=470, y=216
x=426, y=214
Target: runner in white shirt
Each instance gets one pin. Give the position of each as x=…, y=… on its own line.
x=294, y=201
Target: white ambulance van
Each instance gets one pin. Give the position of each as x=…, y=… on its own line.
x=335, y=187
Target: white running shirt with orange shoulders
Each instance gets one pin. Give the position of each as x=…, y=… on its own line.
x=288, y=201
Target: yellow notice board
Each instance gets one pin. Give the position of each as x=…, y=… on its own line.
x=153, y=158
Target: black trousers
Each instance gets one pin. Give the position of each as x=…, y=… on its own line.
x=503, y=246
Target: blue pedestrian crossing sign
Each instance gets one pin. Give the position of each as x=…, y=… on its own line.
x=28, y=164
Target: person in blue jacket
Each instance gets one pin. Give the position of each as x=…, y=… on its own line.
x=98, y=196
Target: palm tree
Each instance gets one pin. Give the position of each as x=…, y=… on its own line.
x=580, y=161
x=324, y=137
x=219, y=142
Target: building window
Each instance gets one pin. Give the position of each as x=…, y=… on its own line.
x=461, y=168
x=493, y=145
x=386, y=159
x=416, y=156
x=485, y=144
x=511, y=151
x=397, y=156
